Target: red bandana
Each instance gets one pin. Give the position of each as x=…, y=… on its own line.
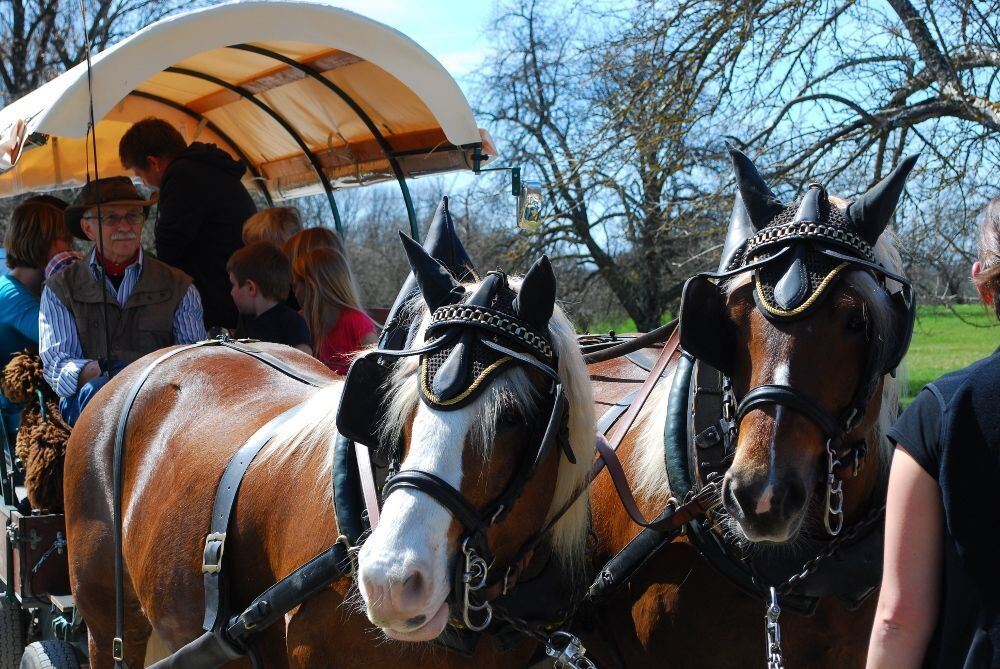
x=116, y=270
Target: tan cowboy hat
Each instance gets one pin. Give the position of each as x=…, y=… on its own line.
x=110, y=190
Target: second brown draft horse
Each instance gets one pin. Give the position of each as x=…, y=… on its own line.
x=791, y=345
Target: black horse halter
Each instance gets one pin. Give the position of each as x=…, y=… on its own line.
x=468, y=345
x=796, y=256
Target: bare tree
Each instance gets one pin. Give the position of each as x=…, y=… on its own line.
x=618, y=113
x=41, y=38
x=847, y=88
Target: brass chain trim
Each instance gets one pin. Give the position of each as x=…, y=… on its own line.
x=461, y=314
x=805, y=230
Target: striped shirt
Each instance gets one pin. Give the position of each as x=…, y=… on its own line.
x=59, y=342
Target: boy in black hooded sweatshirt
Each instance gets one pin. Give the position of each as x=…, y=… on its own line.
x=201, y=210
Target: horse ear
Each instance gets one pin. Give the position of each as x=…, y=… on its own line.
x=537, y=297
x=436, y=283
x=871, y=212
x=443, y=244
x=761, y=204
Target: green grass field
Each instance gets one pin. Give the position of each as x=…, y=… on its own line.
x=944, y=339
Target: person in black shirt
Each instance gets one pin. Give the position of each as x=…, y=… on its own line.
x=940, y=599
x=202, y=207
x=261, y=276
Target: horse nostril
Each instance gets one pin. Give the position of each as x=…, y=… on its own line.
x=410, y=593
x=791, y=500
x=730, y=498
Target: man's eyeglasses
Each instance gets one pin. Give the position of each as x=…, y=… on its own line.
x=133, y=218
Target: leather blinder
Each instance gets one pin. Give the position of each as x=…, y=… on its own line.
x=707, y=332
x=361, y=411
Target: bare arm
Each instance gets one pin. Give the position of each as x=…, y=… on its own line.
x=911, y=578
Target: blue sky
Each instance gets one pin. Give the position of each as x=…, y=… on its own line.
x=453, y=31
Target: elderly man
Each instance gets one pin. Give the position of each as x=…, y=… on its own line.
x=150, y=304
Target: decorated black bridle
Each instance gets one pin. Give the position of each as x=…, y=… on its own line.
x=467, y=346
x=796, y=253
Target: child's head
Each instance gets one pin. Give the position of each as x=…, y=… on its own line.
x=313, y=238
x=276, y=225
x=324, y=285
x=986, y=270
x=259, y=274
x=36, y=232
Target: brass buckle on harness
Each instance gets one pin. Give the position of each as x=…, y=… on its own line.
x=212, y=563
x=118, y=649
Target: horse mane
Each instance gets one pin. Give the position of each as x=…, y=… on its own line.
x=314, y=426
x=513, y=388
x=649, y=469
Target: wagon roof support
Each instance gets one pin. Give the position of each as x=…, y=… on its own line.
x=280, y=120
x=316, y=75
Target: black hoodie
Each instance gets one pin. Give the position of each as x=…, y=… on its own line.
x=199, y=223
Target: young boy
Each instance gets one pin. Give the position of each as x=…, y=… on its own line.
x=261, y=278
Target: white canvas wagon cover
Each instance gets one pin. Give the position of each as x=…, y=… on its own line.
x=303, y=92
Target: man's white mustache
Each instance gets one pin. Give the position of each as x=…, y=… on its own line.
x=122, y=236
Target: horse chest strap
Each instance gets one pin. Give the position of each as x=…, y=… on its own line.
x=225, y=497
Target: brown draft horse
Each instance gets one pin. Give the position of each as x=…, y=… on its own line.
x=194, y=412
x=679, y=610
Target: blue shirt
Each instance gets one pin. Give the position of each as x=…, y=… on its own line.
x=18, y=318
x=59, y=342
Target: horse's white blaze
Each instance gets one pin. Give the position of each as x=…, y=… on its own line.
x=764, y=503
x=781, y=376
x=413, y=529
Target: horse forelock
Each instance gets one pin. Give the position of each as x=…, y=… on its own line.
x=514, y=389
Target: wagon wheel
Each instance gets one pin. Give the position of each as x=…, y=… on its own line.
x=49, y=655
x=13, y=633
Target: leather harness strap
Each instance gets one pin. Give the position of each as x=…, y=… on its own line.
x=682, y=513
x=607, y=449
x=365, y=473
x=118, y=466
x=625, y=424
x=225, y=497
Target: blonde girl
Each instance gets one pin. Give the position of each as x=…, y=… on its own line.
x=275, y=225
x=313, y=238
x=331, y=305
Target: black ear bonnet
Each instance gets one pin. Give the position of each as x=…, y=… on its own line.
x=480, y=334
x=796, y=253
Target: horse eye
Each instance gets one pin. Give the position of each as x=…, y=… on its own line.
x=510, y=418
x=856, y=323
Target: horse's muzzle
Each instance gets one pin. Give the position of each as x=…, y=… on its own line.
x=766, y=510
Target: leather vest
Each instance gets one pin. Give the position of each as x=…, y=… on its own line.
x=143, y=325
